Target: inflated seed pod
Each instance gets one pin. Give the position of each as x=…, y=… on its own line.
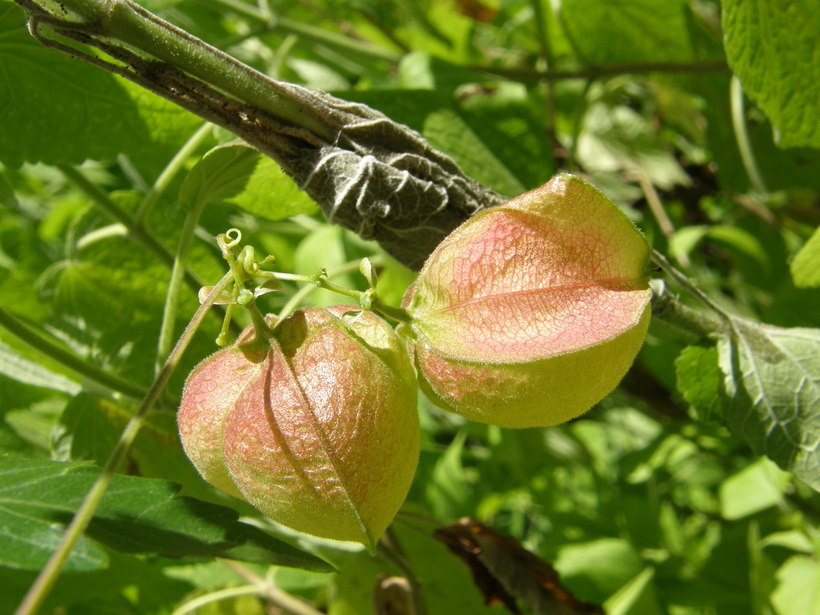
x=531, y=312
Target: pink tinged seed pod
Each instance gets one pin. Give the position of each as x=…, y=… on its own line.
x=530, y=313
x=324, y=437
x=210, y=392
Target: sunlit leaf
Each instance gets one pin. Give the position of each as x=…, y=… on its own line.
x=770, y=376
x=138, y=515
x=806, y=264
x=772, y=47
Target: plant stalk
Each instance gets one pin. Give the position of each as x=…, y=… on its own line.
x=48, y=575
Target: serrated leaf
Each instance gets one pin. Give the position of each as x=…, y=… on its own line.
x=85, y=430
x=772, y=47
x=805, y=267
x=770, y=377
x=137, y=515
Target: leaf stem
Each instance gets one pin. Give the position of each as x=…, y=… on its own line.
x=174, y=166
x=661, y=261
x=744, y=144
x=673, y=312
x=48, y=575
x=216, y=596
x=311, y=33
x=14, y=326
x=169, y=313
x=282, y=599
x=390, y=549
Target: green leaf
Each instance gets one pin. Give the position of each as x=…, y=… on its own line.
x=239, y=174
x=772, y=47
x=137, y=515
x=633, y=31
x=85, y=430
x=7, y=196
x=699, y=380
x=21, y=369
x=636, y=597
x=56, y=109
x=618, y=139
x=595, y=570
x=806, y=264
x=755, y=488
x=798, y=587
x=770, y=376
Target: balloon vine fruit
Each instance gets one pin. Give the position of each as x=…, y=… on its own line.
x=316, y=427
x=531, y=312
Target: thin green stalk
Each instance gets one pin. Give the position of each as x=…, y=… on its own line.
x=542, y=34
x=744, y=144
x=48, y=575
x=661, y=261
x=216, y=596
x=390, y=549
x=137, y=233
x=311, y=33
x=169, y=313
x=349, y=267
x=11, y=324
x=288, y=603
x=176, y=164
x=673, y=312
x=526, y=75
x=104, y=202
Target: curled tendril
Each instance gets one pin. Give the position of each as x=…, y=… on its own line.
x=229, y=240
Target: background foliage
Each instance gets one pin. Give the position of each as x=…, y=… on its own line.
x=649, y=503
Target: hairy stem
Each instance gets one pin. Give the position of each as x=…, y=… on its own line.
x=673, y=312
x=682, y=279
x=48, y=575
x=169, y=313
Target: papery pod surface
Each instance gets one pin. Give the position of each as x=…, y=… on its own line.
x=531, y=312
x=210, y=392
x=325, y=439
